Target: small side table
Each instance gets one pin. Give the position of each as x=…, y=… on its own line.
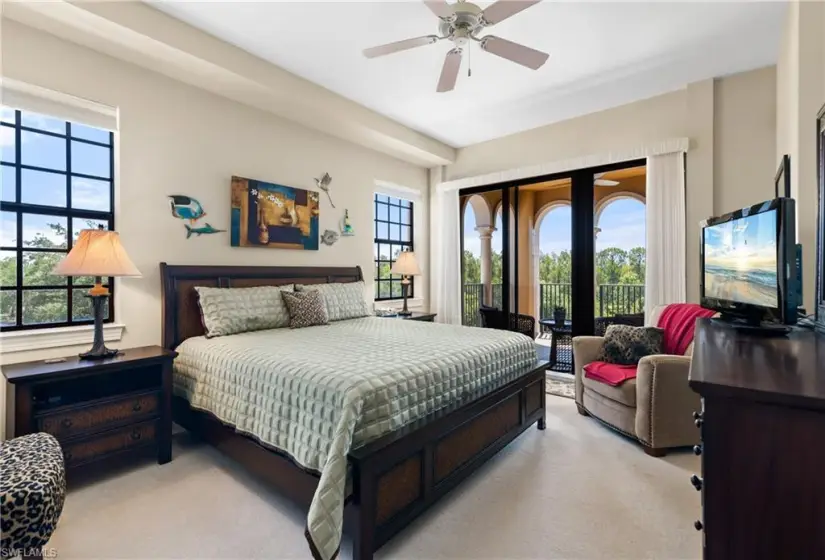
x=98, y=409
x=561, y=345
x=416, y=316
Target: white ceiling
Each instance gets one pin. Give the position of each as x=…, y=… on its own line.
x=603, y=54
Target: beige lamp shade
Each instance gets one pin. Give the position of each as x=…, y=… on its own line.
x=406, y=265
x=97, y=252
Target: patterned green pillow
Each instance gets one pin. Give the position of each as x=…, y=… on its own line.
x=227, y=311
x=342, y=300
x=306, y=309
x=626, y=345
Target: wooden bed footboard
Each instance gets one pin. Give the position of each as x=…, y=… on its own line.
x=398, y=477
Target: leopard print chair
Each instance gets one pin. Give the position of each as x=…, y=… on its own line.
x=32, y=490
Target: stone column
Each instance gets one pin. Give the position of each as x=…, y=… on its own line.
x=485, y=234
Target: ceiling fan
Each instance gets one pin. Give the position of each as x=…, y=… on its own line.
x=461, y=23
x=599, y=182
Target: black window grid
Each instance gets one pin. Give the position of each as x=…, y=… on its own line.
x=19, y=208
x=389, y=242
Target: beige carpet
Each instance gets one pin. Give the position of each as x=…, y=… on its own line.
x=575, y=491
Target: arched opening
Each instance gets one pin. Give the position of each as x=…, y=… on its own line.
x=620, y=254
x=476, y=232
x=553, y=258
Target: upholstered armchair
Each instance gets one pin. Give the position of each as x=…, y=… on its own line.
x=655, y=408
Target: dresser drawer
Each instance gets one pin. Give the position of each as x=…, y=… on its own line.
x=101, y=445
x=101, y=415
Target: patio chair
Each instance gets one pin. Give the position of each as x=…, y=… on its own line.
x=494, y=318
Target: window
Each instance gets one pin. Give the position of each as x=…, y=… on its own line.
x=393, y=234
x=57, y=178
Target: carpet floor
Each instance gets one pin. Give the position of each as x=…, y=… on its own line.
x=575, y=491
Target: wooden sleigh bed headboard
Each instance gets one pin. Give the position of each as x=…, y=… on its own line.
x=181, y=314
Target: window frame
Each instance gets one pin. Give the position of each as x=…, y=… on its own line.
x=403, y=245
x=19, y=208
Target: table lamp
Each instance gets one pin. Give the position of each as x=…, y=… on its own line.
x=98, y=253
x=406, y=266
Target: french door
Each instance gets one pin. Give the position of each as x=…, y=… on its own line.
x=530, y=247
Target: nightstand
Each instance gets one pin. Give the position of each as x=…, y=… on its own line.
x=98, y=409
x=419, y=316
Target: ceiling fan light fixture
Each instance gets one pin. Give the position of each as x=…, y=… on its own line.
x=461, y=22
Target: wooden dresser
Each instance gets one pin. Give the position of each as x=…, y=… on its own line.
x=762, y=483
x=98, y=409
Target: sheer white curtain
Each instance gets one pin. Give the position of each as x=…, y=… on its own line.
x=446, y=259
x=665, y=214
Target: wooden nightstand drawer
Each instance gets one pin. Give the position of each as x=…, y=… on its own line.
x=108, y=443
x=99, y=415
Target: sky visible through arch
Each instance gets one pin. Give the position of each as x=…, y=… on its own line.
x=622, y=223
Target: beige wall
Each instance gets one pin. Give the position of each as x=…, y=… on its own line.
x=176, y=139
x=744, y=139
x=800, y=94
x=692, y=113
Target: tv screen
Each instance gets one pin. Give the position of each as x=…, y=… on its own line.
x=741, y=260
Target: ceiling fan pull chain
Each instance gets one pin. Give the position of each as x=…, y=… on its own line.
x=469, y=61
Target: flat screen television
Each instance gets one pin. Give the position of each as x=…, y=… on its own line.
x=749, y=264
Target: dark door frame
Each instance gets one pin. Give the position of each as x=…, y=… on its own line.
x=583, y=249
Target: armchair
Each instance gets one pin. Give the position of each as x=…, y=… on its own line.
x=655, y=408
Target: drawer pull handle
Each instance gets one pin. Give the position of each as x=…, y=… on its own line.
x=136, y=407
x=66, y=423
x=135, y=435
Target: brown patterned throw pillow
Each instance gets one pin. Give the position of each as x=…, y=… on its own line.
x=306, y=309
x=626, y=345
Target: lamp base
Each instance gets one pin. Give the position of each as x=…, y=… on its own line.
x=405, y=313
x=99, y=354
x=98, y=350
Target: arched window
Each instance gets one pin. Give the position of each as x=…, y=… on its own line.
x=553, y=257
x=620, y=254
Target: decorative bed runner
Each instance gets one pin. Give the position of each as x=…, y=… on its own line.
x=315, y=393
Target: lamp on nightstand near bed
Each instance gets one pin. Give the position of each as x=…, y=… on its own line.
x=406, y=266
x=97, y=253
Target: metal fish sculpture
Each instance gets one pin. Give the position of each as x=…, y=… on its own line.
x=323, y=184
x=186, y=208
x=207, y=229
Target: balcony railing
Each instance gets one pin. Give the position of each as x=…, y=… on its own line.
x=611, y=299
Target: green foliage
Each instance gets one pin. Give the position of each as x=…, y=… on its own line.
x=614, y=267
x=42, y=306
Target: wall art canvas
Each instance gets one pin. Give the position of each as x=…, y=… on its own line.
x=270, y=215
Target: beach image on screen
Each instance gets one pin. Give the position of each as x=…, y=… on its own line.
x=740, y=260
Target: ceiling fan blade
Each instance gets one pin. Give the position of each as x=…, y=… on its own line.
x=449, y=72
x=605, y=183
x=397, y=46
x=440, y=8
x=504, y=9
x=531, y=58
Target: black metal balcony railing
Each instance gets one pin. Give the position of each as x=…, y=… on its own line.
x=611, y=300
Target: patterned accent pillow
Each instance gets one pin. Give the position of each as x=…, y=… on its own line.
x=626, y=345
x=343, y=300
x=227, y=311
x=306, y=309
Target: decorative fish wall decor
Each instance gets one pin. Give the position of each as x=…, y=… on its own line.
x=188, y=208
x=206, y=229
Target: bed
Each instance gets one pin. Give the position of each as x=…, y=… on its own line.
x=373, y=437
